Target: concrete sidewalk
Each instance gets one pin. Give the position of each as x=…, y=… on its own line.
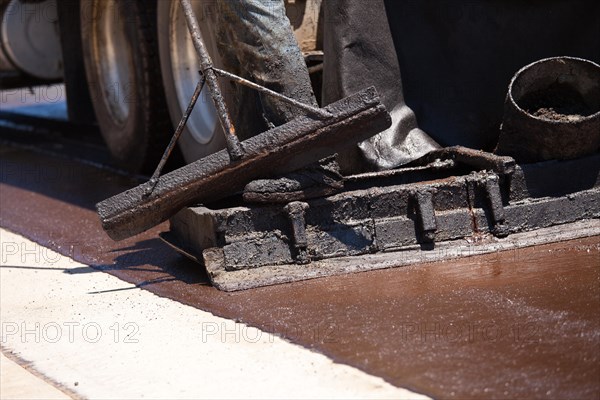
x=16, y=382
x=100, y=337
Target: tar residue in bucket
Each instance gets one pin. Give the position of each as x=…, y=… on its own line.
x=552, y=111
x=558, y=102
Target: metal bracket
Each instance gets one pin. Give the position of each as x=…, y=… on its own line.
x=491, y=185
x=426, y=214
x=296, y=211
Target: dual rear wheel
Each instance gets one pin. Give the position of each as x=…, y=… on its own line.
x=141, y=70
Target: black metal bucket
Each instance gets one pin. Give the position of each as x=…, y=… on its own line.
x=552, y=111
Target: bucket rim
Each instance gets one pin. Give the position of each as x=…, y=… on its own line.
x=519, y=73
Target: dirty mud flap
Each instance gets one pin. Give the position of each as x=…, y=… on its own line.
x=283, y=149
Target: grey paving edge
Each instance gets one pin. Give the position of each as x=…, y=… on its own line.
x=273, y=275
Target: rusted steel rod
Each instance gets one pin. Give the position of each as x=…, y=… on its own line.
x=176, y=135
x=476, y=158
x=317, y=112
x=234, y=146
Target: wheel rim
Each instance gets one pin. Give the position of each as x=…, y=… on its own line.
x=114, y=60
x=184, y=63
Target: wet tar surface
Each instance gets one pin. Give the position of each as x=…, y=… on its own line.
x=520, y=324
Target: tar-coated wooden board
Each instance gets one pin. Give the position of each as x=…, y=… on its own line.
x=287, y=147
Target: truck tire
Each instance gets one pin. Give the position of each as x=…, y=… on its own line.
x=120, y=54
x=203, y=134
